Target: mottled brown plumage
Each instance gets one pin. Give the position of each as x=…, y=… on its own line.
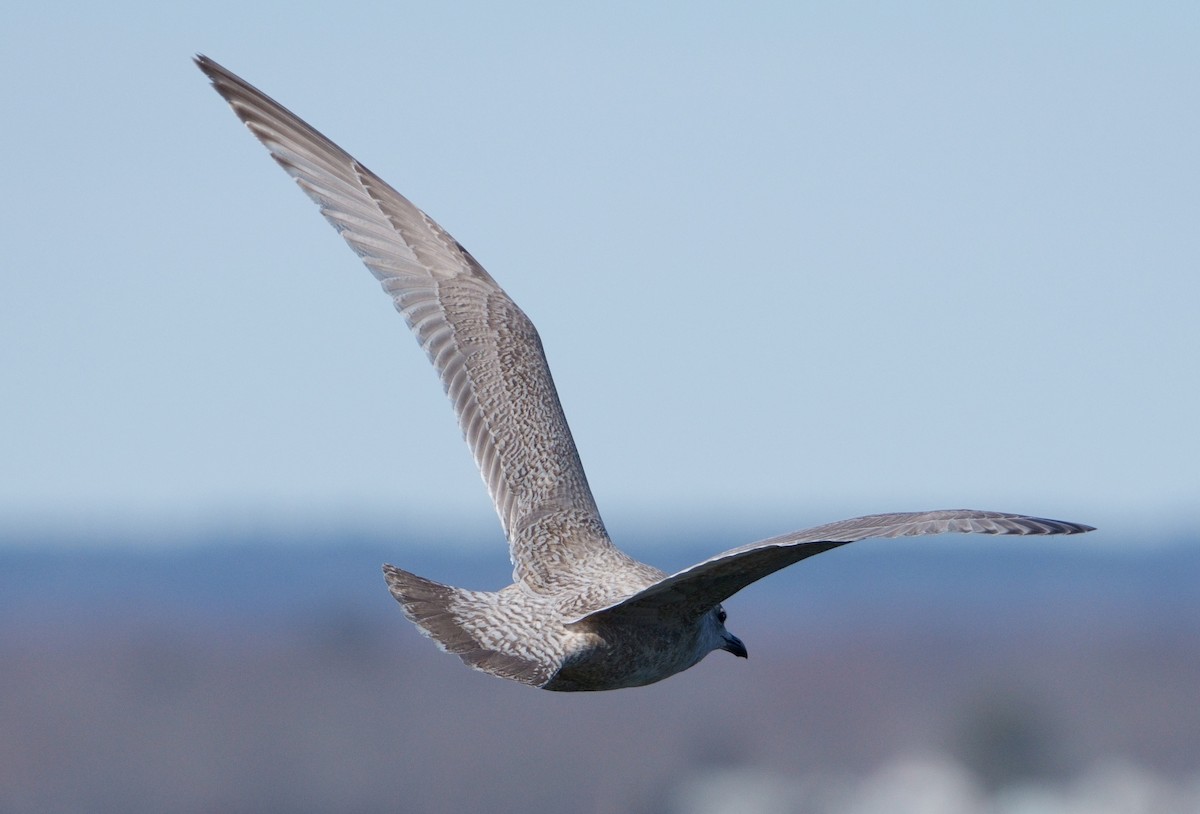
x=580, y=614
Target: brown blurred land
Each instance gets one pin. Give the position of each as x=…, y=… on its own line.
x=227, y=681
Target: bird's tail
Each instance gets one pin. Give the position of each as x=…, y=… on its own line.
x=460, y=622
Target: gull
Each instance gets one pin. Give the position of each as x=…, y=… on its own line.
x=580, y=614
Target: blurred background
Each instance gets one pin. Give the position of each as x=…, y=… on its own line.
x=790, y=262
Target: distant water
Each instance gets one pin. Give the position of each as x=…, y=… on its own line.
x=266, y=578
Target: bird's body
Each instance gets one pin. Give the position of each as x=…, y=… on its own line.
x=580, y=614
x=520, y=634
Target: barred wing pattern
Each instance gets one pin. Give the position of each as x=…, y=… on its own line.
x=484, y=348
x=696, y=589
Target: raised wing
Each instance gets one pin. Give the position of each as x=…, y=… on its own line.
x=696, y=589
x=485, y=350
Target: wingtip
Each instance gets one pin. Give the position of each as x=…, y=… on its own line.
x=214, y=70
x=1069, y=527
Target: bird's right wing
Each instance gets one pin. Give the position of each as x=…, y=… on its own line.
x=694, y=590
x=485, y=349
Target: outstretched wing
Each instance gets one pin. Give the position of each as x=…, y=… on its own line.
x=696, y=589
x=485, y=349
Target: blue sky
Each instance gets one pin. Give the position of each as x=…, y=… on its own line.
x=789, y=261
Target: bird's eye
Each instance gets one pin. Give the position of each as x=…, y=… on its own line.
x=721, y=616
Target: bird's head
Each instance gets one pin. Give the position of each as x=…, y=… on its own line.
x=722, y=639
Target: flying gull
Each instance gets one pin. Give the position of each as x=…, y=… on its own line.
x=580, y=613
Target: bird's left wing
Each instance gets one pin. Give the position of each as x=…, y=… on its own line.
x=485, y=349
x=700, y=587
